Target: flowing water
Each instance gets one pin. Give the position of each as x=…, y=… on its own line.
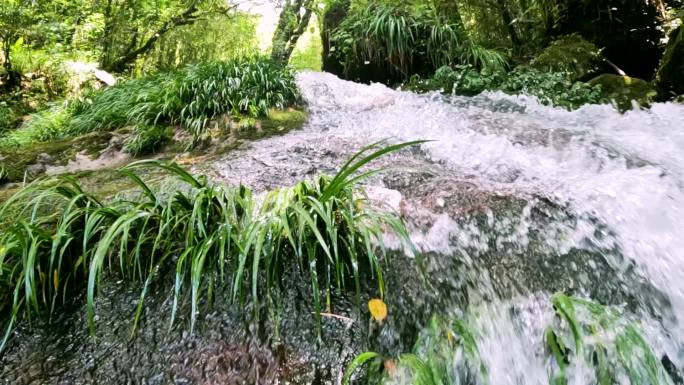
x=610, y=185
x=510, y=203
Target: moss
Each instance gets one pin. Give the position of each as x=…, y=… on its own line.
x=624, y=89
x=22, y=161
x=17, y=160
x=278, y=122
x=284, y=120
x=572, y=54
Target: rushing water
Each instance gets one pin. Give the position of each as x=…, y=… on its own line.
x=617, y=177
x=510, y=203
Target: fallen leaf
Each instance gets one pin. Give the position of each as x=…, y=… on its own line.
x=378, y=309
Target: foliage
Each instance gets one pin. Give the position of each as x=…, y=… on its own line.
x=294, y=18
x=16, y=17
x=41, y=126
x=147, y=139
x=551, y=88
x=554, y=88
x=309, y=56
x=403, y=38
x=42, y=67
x=569, y=54
x=604, y=337
x=61, y=240
x=7, y=118
x=132, y=28
x=190, y=97
x=211, y=39
x=445, y=353
x=583, y=333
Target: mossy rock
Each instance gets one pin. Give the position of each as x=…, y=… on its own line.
x=30, y=161
x=670, y=78
x=623, y=90
x=570, y=53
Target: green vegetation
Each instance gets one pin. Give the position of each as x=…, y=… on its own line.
x=309, y=54
x=496, y=45
x=551, y=88
x=403, y=37
x=58, y=240
x=191, y=98
x=602, y=337
x=445, y=352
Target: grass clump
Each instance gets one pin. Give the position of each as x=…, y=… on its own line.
x=405, y=38
x=602, y=336
x=583, y=334
x=445, y=353
x=62, y=240
x=41, y=126
x=191, y=97
x=147, y=139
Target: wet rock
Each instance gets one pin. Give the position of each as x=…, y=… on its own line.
x=44, y=158
x=625, y=90
x=35, y=169
x=572, y=54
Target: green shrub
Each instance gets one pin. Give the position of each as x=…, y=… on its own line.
x=551, y=88
x=59, y=240
x=46, y=69
x=147, y=139
x=7, y=118
x=41, y=126
x=445, y=352
x=570, y=54
x=191, y=97
x=398, y=37
x=604, y=337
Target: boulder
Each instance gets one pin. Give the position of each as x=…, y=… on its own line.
x=82, y=75
x=670, y=78
x=623, y=90
x=570, y=53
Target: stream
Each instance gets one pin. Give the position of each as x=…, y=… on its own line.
x=509, y=203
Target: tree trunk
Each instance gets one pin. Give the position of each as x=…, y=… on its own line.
x=13, y=77
x=450, y=11
x=119, y=64
x=291, y=26
x=508, y=20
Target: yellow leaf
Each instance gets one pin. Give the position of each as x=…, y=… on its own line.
x=378, y=309
x=55, y=279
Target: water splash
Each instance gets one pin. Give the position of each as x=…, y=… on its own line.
x=616, y=180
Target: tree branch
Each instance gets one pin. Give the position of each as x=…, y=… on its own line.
x=189, y=16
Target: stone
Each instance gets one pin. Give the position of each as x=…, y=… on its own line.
x=623, y=90
x=35, y=169
x=44, y=158
x=570, y=53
